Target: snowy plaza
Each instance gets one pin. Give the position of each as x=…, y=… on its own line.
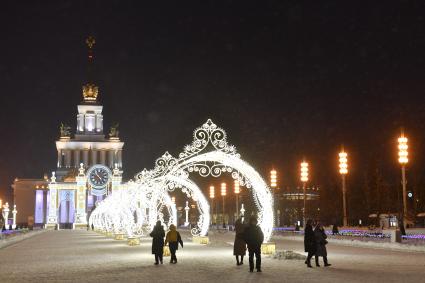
x=86, y=256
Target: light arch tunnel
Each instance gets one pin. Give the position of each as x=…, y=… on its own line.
x=124, y=212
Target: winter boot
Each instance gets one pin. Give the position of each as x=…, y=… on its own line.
x=325, y=260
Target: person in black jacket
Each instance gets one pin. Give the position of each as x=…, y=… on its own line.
x=254, y=237
x=158, y=235
x=309, y=242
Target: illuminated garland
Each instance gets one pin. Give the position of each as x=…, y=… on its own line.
x=147, y=196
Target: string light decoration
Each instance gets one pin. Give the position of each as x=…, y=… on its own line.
x=150, y=188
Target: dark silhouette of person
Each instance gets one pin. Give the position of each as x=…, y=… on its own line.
x=158, y=235
x=309, y=242
x=173, y=239
x=254, y=237
x=239, y=247
x=321, y=242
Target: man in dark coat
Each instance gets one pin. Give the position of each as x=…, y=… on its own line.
x=309, y=242
x=254, y=237
x=158, y=235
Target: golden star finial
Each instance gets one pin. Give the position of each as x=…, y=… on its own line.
x=90, y=42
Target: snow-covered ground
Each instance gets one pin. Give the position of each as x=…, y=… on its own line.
x=84, y=256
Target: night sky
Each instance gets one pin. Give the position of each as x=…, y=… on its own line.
x=286, y=79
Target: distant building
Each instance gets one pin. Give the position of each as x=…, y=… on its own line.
x=289, y=203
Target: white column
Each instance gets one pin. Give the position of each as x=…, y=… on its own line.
x=119, y=159
x=116, y=179
x=67, y=158
x=76, y=158
x=80, y=209
x=102, y=157
x=93, y=156
x=111, y=159
x=14, y=212
x=5, y=213
x=90, y=122
x=86, y=157
x=99, y=123
x=52, y=219
x=186, y=223
x=59, y=158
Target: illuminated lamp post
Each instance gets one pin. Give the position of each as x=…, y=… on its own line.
x=304, y=179
x=186, y=223
x=212, y=196
x=237, y=190
x=402, y=159
x=273, y=185
x=223, y=194
x=343, y=170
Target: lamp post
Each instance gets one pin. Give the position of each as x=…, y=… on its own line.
x=402, y=159
x=212, y=195
x=223, y=194
x=14, y=212
x=6, y=215
x=186, y=223
x=343, y=170
x=237, y=190
x=304, y=179
x=242, y=212
x=273, y=185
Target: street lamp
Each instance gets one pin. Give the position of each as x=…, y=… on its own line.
x=273, y=178
x=402, y=159
x=212, y=195
x=304, y=179
x=273, y=185
x=343, y=170
x=223, y=194
x=237, y=190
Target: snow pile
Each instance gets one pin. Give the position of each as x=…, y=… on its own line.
x=364, y=243
x=289, y=255
x=12, y=240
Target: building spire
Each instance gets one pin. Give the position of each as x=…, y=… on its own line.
x=90, y=90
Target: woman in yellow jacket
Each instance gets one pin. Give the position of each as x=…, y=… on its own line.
x=173, y=239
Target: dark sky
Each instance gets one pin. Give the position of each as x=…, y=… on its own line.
x=286, y=79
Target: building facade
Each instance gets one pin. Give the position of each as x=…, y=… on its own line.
x=89, y=167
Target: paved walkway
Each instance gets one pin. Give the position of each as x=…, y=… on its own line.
x=84, y=256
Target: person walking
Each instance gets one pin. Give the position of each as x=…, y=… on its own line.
x=158, y=235
x=321, y=242
x=239, y=247
x=309, y=242
x=254, y=237
x=173, y=239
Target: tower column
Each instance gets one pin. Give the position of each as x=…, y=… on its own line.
x=68, y=158
x=93, y=156
x=119, y=158
x=111, y=158
x=52, y=219
x=59, y=158
x=103, y=157
x=76, y=158
x=86, y=157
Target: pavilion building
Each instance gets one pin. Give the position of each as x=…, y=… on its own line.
x=67, y=198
